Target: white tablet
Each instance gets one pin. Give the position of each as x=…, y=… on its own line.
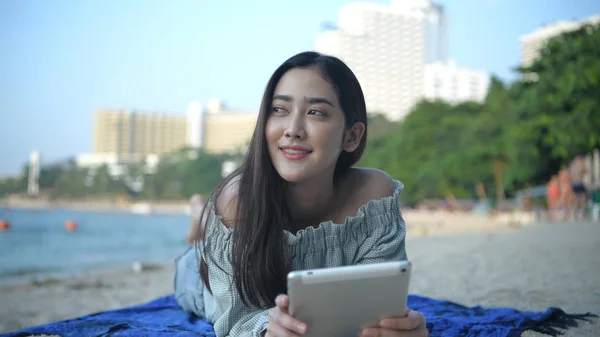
x=340, y=301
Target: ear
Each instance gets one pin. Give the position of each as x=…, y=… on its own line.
x=353, y=137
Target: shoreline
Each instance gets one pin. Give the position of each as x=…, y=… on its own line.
x=139, y=267
x=414, y=229
x=419, y=224
x=42, y=279
x=432, y=217
x=87, y=277
x=142, y=207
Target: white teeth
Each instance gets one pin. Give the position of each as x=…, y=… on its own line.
x=290, y=151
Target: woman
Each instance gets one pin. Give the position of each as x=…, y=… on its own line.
x=295, y=203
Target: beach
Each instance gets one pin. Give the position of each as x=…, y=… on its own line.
x=530, y=267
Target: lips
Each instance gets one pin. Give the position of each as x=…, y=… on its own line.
x=292, y=151
x=295, y=152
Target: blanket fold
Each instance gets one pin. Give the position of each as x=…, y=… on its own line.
x=163, y=317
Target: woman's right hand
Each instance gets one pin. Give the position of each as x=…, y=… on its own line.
x=280, y=321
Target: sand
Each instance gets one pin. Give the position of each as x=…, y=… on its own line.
x=532, y=269
x=527, y=267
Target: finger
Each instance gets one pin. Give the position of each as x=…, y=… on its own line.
x=413, y=320
x=282, y=301
x=274, y=330
x=286, y=321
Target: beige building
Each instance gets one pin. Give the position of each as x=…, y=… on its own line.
x=228, y=131
x=129, y=135
x=133, y=135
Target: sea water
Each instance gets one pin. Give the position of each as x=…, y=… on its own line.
x=38, y=246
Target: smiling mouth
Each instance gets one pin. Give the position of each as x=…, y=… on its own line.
x=295, y=154
x=294, y=151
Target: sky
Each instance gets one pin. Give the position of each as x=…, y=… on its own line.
x=60, y=60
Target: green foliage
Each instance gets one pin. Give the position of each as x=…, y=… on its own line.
x=11, y=185
x=178, y=176
x=378, y=124
x=522, y=134
x=561, y=104
x=426, y=150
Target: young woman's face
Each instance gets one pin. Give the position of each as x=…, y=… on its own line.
x=306, y=126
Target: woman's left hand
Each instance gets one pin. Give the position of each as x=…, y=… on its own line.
x=411, y=325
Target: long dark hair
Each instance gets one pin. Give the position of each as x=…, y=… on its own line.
x=259, y=257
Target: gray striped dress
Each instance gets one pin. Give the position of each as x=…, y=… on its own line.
x=375, y=234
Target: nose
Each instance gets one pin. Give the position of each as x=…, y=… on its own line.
x=296, y=128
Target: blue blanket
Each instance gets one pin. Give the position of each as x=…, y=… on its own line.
x=163, y=317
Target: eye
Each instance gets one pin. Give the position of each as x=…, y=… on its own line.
x=317, y=113
x=277, y=110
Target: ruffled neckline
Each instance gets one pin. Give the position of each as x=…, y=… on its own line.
x=385, y=204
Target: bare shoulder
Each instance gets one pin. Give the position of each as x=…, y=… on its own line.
x=369, y=184
x=226, y=203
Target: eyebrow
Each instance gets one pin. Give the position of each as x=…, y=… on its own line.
x=311, y=100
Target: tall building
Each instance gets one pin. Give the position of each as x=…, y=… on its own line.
x=533, y=43
x=227, y=130
x=454, y=84
x=387, y=47
x=195, y=125
x=124, y=135
x=133, y=135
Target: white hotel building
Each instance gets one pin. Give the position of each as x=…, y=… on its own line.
x=532, y=43
x=387, y=47
x=454, y=84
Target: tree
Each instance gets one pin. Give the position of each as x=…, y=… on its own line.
x=102, y=181
x=12, y=185
x=378, y=125
x=426, y=151
x=562, y=105
x=71, y=182
x=163, y=184
x=105, y=185
x=202, y=174
x=493, y=136
x=183, y=173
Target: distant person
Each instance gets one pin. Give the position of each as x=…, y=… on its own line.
x=553, y=197
x=577, y=173
x=565, y=199
x=196, y=207
x=527, y=199
x=295, y=203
